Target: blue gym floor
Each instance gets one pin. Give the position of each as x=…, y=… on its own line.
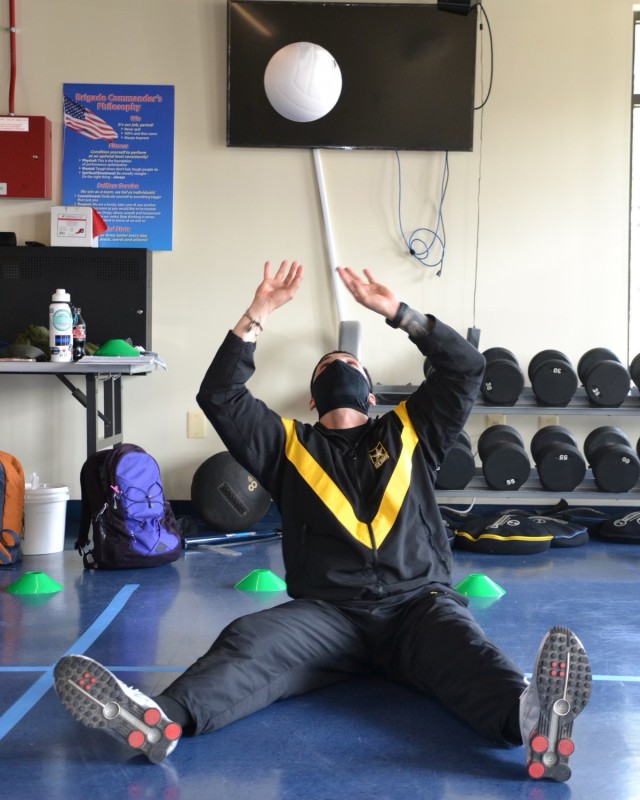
x=357, y=741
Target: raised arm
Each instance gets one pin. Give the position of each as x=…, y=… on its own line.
x=442, y=403
x=272, y=292
x=369, y=293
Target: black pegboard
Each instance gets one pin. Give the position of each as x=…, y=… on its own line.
x=111, y=285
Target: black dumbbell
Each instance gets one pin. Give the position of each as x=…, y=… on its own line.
x=606, y=380
x=459, y=465
x=505, y=463
x=615, y=465
x=553, y=379
x=561, y=466
x=503, y=379
x=634, y=370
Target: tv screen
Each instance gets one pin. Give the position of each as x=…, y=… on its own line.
x=407, y=75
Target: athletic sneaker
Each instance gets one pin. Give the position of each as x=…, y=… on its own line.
x=560, y=688
x=97, y=699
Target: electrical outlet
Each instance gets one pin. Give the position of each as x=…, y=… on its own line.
x=548, y=419
x=494, y=419
x=196, y=425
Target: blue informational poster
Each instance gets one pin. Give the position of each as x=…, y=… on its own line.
x=117, y=157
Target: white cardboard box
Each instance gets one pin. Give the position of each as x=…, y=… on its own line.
x=72, y=226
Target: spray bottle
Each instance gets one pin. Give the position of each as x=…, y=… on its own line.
x=61, y=327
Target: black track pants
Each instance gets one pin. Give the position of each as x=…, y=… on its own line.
x=431, y=643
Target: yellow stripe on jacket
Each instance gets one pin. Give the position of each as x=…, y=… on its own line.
x=334, y=499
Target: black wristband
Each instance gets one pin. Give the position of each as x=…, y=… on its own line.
x=395, y=322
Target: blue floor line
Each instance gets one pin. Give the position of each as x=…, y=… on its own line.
x=27, y=701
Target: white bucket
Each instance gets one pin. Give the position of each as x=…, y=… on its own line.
x=45, y=512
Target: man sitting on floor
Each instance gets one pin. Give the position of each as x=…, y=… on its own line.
x=367, y=559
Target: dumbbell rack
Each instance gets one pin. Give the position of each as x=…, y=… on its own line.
x=387, y=396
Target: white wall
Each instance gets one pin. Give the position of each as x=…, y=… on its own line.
x=536, y=217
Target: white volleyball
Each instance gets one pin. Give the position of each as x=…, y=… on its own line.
x=303, y=81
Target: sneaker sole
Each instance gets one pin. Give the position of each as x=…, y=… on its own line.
x=94, y=697
x=563, y=682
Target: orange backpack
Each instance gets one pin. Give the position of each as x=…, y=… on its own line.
x=11, y=507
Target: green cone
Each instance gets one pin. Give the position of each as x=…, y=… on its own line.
x=476, y=585
x=34, y=583
x=261, y=580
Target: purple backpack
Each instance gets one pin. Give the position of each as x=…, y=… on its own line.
x=125, y=520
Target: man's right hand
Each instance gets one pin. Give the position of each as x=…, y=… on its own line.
x=272, y=292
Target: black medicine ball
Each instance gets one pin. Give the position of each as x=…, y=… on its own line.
x=226, y=496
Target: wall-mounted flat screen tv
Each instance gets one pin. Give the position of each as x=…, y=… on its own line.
x=407, y=74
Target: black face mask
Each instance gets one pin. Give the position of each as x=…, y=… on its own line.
x=340, y=386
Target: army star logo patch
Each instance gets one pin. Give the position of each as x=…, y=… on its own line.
x=378, y=455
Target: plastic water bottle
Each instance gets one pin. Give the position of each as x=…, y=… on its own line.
x=60, y=327
x=79, y=335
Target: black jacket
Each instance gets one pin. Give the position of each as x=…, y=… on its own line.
x=359, y=518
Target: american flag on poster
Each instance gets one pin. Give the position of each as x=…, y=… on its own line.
x=87, y=123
